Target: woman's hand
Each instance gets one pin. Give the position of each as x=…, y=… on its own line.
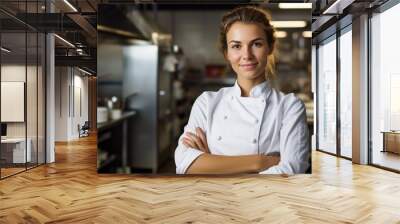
x=197, y=141
x=266, y=161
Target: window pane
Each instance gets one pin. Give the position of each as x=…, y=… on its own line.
x=31, y=100
x=41, y=99
x=385, y=84
x=346, y=94
x=327, y=97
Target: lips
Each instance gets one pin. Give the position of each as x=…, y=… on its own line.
x=249, y=66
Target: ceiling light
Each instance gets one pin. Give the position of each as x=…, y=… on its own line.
x=295, y=5
x=5, y=49
x=307, y=34
x=280, y=34
x=65, y=41
x=84, y=71
x=288, y=24
x=70, y=5
x=338, y=6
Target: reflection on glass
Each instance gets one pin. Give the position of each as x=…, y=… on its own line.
x=394, y=101
x=32, y=86
x=327, y=97
x=14, y=146
x=22, y=92
x=346, y=94
x=41, y=99
x=385, y=84
x=31, y=101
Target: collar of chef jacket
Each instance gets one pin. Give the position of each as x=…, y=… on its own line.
x=259, y=91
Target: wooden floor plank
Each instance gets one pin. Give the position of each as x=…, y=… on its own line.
x=70, y=191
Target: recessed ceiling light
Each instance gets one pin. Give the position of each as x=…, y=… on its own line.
x=295, y=5
x=280, y=34
x=288, y=24
x=337, y=7
x=307, y=34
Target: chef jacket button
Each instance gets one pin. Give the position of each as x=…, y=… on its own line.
x=254, y=141
x=225, y=117
x=262, y=101
x=231, y=97
x=256, y=121
x=219, y=138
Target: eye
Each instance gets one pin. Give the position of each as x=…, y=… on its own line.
x=235, y=46
x=258, y=44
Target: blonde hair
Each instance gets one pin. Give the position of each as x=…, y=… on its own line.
x=250, y=14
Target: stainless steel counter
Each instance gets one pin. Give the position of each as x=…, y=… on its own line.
x=110, y=123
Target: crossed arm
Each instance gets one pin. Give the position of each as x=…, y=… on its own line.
x=208, y=163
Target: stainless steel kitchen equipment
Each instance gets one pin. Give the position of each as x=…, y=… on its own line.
x=147, y=90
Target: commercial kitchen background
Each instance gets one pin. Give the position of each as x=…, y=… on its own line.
x=153, y=62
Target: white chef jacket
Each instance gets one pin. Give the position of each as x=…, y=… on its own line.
x=266, y=122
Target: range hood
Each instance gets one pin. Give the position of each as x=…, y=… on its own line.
x=131, y=22
x=148, y=27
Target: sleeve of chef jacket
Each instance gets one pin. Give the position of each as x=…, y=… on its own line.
x=294, y=140
x=184, y=156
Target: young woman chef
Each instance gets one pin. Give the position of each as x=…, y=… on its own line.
x=249, y=127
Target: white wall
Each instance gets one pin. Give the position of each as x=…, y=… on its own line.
x=33, y=126
x=12, y=73
x=80, y=103
x=61, y=103
x=71, y=93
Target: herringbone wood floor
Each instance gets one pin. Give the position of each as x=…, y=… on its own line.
x=70, y=191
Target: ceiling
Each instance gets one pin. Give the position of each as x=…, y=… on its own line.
x=77, y=21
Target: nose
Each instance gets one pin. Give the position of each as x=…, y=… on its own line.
x=247, y=53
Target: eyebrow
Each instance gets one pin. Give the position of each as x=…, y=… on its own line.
x=236, y=41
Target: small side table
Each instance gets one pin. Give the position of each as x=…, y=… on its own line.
x=391, y=141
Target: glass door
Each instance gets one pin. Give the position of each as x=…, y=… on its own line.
x=22, y=68
x=14, y=154
x=326, y=95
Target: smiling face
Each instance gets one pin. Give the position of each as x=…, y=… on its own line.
x=247, y=51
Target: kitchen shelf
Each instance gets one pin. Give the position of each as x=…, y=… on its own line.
x=111, y=123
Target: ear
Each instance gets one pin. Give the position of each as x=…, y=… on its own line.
x=225, y=56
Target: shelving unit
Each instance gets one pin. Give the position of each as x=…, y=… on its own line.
x=112, y=143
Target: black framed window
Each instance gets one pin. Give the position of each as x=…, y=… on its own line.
x=326, y=95
x=345, y=93
x=334, y=91
x=22, y=76
x=384, y=114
